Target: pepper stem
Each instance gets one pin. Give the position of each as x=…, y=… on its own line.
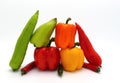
x=60, y=70
x=98, y=69
x=23, y=72
x=68, y=20
x=76, y=44
x=51, y=40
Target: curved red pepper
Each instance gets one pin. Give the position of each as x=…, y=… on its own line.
x=28, y=67
x=92, y=67
x=91, y=55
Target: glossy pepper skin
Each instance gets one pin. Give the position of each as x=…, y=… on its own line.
x=92, y=67
x=41, y=36
x=72, y=59
x=28, y=67
x=65, y=35
x=47, y=58
x=90, y=53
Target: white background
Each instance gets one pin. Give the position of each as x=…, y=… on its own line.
x=100, y=20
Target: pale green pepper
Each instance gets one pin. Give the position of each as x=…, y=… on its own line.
x=43, y=33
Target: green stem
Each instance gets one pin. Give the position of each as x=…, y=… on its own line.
x=68, y=20
x=98, y=69
x=60, y=70
x=76, y=44
x=51, y=40
x=23, y=72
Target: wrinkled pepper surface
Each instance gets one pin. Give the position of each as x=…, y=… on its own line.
x=47, y=58
x=65, y=35
x=72, y=59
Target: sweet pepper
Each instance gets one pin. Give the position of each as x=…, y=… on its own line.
x=65, y=35
x=42, y=34
x=47, y=58
x=72, y=58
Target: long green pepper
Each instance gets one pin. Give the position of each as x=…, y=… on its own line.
x=22, y=42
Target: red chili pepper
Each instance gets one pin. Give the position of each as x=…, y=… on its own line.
x=47, y=58
x=91, y=55
x=28, y=67
x=92, y=67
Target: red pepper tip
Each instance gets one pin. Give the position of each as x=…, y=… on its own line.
x=98, y=69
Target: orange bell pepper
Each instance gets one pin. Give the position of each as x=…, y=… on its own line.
x=65, y=35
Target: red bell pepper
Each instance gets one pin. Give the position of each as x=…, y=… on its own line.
x=47, y=58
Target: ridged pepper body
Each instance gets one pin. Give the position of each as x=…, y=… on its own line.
x=65, y=35
x=72, y=59
x=47, y=58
